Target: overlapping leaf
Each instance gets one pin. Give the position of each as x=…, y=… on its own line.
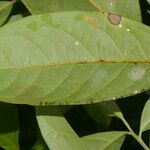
x=56, y=131
x=120, y=7
x=102, y=112
x=73, y=58
x=5, y=8
x=8, y=127
x=46, y=6
x=145, y=119
x=59, y=135
x=105, y=140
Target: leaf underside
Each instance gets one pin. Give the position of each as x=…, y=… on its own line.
x=73, y=58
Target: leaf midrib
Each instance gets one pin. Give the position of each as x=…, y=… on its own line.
x=146, y=62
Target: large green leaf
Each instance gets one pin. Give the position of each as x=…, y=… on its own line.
x=73, y=58
x=56, y=131
x=5, y=8
x=126, y=8
x=121, y=7
x=145, y=119
x=45, y=6
x=105, y=140
x=8, y=127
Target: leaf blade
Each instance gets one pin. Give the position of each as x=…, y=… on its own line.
x=123, y=7
x=47, y=6
x=56, y=131
x=71, y=69
x=9, y=134
x=5, y=8
x=105, y=140
x=145, y=121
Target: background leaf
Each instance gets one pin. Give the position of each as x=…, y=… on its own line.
x=105, y=140
x=8, y=127
x=57, y=64
x=40, y=144
x=5, y=8
x=46, y=6
x=56, y=131
x=102, y=112
x=121, y=7
x=145, y=119
x=18, y=12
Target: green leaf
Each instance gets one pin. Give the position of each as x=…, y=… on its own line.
x=56, y=131
x=40, y=144
x=145, y=119
x=126, y=8
x=55, y=62
x=46, y=6
x=8, y=127
x=105, y=140
x=102, y=112
x=5, y=8
x=15, y=17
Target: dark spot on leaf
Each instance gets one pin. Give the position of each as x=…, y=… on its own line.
x=114, y=18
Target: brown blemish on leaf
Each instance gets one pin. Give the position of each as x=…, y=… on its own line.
x=91, y=21
x=114, y=18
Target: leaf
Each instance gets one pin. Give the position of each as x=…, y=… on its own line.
x=126, y=8
x=145, y=119
x=56, y=131
x=55, y=62
x=15, y=17
x=105, y=140
x=101, y=112
x=5, y=8
x=18, y=12
x=8, y=127
x=40, y=144
x=46, y=6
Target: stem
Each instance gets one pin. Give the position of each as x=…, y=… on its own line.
x=138, y=138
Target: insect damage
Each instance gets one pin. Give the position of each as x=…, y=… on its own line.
x=114, y=18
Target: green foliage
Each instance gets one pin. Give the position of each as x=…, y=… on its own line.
x=105, y=140
x=8, y=127
x=84, y=71
x=5, y=8
x=145, y=120
x=69, y=52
